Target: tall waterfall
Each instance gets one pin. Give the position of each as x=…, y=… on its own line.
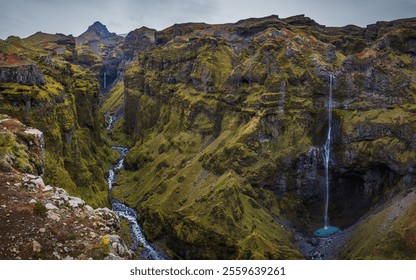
x=327, y=151
x=327, y=230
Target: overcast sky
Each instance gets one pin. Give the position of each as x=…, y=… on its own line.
x=25, y=17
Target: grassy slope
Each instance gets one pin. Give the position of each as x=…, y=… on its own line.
x=387, y=234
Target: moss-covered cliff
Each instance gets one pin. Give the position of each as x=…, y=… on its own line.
x=61, y=99
x=229, y=121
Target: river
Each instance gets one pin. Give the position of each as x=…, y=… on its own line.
x=125, y=212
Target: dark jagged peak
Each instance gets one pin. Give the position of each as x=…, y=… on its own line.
x=100, y=29
x=97, y=32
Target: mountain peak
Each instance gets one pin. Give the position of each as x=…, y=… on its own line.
x=96, y=32
x=100, y=29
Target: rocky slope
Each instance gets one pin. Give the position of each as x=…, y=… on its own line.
x=229, y=122
x=45, y=222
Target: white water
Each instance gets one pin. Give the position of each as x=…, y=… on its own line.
x=128, y=213
x=327, y=152
x=119, y=164
x=110, y=120
x=327, y=230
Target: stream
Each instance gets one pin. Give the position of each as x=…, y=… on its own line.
x=126, y=212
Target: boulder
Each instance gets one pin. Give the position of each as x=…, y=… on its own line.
x=36, y=247
x=109, y=217
x=75, y=202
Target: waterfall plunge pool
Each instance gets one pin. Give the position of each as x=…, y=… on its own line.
x=326, y=231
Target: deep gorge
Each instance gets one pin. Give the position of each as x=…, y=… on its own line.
x=226, y=125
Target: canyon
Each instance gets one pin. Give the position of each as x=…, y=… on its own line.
x=226, y=126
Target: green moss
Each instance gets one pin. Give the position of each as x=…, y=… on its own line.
x=114, y=99
x=213, y=65
x=118, y=134
x=14, y=153
x=125, y=232
x=256, y=247
x=40, y=210
x=172, y=181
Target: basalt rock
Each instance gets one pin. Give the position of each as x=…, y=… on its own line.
x=28, y=74
x=22, y=147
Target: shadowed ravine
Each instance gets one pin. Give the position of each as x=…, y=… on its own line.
x=128, y=213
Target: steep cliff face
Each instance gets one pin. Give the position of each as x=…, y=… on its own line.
x=65, y=106
x=229, y=121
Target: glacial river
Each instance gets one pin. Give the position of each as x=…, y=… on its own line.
x=128, y=213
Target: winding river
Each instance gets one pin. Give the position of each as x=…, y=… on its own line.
x=128, y=213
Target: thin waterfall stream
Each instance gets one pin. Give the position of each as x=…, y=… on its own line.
x=327, y=230
x=128, y=213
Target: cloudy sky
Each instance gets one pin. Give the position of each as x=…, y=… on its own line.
x=25, y=17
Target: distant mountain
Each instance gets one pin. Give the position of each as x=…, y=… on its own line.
x=97, y=32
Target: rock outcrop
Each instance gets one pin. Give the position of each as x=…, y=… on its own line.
x=21, y=147
x=139, y=40
x=23, y=74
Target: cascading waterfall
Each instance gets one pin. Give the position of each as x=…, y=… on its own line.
x=128, y=213
x=327, y=230
x=327, y=151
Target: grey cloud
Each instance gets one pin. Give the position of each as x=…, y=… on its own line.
x=25, y=17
